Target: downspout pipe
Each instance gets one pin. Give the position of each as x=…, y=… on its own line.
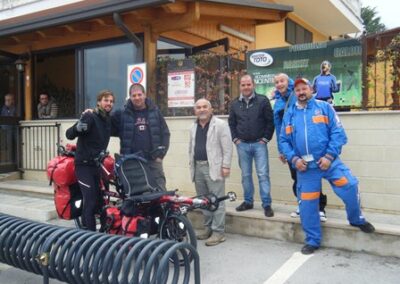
x=130, y=35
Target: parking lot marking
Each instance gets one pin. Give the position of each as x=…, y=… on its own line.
x=288, y=268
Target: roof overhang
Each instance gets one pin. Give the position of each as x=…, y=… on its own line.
x=330, y=17
x=71, y=13
x=93, y=20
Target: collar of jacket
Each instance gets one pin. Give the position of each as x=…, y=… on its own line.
x=253, y=95
x=101, y=112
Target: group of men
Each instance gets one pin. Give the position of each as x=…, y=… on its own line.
x=309, y=135
x=46, y=108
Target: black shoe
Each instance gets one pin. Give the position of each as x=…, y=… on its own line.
x=308, y=249
x=366, y=227
x=244, y=206
x=268, y=212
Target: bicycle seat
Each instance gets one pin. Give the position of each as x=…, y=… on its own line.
x=135, y=177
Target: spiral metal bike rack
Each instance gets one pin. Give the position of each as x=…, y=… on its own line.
x=77, y=256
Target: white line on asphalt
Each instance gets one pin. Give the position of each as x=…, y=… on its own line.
x=288, y=268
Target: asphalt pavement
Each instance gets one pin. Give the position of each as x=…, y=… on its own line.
x=248, y=260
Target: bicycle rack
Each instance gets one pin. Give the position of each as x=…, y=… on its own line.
x=78, y=256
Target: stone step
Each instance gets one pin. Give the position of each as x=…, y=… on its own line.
x=33, y=188
x=33, y=199
x=337, y=233
x=33, y=208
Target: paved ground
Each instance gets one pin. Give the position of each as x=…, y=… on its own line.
x=251, y=260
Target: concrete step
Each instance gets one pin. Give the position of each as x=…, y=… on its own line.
x=337, y=233
x=33, y=188
x=33, y=208
x=33, y=199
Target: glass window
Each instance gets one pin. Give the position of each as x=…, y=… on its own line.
x=105, y=67
x=296, y=34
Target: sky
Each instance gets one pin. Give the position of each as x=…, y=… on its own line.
x=388, y=10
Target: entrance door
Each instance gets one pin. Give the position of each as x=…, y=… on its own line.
x=10, y=100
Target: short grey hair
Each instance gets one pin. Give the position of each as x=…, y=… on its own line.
x=282, y=75
x=203, y=99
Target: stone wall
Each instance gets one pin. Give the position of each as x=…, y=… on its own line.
x=372, y=153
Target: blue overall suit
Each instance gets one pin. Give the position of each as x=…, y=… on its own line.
x=311, y=133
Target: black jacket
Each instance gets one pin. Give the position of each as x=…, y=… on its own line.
x=253, y=121
x=92, y=141
x=123, y=127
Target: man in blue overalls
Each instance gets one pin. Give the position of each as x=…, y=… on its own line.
x=311, y=138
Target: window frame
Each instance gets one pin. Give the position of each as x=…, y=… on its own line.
x=293, y=39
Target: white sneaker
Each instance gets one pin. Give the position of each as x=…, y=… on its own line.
x=295, y=214
x=322, y=216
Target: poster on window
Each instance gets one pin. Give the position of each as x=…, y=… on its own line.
x=304, y=60
x=181, y=80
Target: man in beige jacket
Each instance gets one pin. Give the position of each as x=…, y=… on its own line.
x=210, y=154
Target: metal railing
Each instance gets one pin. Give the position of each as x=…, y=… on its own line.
x=38, y=145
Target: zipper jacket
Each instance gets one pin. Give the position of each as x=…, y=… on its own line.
x=252, y=120
x=313, y=130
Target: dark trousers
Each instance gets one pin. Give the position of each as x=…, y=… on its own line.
x=89, y=183
x=323, y=200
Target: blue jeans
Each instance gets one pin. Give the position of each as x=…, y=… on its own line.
x=259, y=152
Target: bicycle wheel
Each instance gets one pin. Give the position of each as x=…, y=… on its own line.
x=178, y=228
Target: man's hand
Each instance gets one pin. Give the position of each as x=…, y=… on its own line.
x=158, y=160
x=81, y=126
x=301, y=165
x=237, y=142
x=88, y=110
x=324, y=163
x=225, y=172
x=282, y=158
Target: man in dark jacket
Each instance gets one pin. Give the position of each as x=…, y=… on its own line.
x=142, y=129
x=93, y=131
x=252, y=127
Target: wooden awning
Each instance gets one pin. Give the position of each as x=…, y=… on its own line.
x=90, y=20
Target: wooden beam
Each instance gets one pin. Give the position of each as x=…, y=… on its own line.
x=175, y=8
x=8, y=41
x=52, y=32
x=162, y=25
x=105, y=22
x=228, y=11
x=150, y=57
x=28, y=90
x=147, y=14
x=82, y=27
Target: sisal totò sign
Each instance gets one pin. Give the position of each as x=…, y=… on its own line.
x=261, y=59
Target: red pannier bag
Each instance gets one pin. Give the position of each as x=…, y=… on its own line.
x=112, y=220
x=61, y=170
x=134, y=226
x=108, y=167
x=68, y=201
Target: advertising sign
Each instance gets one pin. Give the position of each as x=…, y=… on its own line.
x=136, y=75
x=181, y=79
x=304, y=60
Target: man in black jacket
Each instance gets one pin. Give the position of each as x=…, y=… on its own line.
x=93, y=131
x=142, y=129
x=252, y=126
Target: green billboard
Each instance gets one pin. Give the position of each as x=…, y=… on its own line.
x=304, y=60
